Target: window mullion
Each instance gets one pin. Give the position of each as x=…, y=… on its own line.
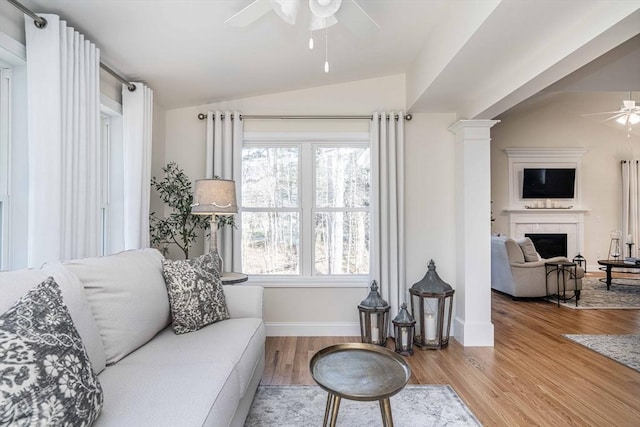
x=307, y=194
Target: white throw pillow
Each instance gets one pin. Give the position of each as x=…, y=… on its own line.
x=128, y=298
x=529, y=250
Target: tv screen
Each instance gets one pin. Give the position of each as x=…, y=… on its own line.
x=548, y=183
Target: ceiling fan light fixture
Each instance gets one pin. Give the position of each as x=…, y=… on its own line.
x=324, y=8
x=634, y=118
x=622, y=119
x=318, y=23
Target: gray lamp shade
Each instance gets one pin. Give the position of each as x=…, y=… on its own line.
x=214, y=197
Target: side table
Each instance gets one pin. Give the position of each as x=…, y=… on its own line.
x=232, y=278
x=562, y=269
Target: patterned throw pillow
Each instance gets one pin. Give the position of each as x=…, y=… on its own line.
x=195, y=292
x=45, y=373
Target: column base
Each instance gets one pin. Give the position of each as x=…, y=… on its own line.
x=473, y=334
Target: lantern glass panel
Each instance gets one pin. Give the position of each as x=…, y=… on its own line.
x=446, y=327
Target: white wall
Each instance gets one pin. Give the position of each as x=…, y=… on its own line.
x=429, y=187
x=555, y=120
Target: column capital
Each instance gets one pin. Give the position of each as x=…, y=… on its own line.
x=462, y=125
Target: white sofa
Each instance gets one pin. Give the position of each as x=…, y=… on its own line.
x=513, y=274
x=151, y=376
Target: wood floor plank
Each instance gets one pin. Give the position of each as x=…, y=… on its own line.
x=532, y=376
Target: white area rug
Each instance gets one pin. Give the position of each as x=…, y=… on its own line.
x=624, y=349
x=596, y=296
x=414, y=406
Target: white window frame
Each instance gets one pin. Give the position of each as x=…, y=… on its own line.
x=112, y=196
x=307, y=142
x=5, y=170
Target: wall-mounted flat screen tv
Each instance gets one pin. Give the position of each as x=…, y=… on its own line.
x=548, y=183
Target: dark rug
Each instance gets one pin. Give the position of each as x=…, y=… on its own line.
x=596, y=296
x=414, y=406
x=624, y=349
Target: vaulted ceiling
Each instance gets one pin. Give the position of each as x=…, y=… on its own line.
x=476, y=58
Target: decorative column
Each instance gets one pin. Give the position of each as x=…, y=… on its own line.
x=472, y=322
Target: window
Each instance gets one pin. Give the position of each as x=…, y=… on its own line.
x=305, y=205
x=5, y=105
x=105, y=142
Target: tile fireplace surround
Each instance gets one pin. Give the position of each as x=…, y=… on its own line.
x=547, y=221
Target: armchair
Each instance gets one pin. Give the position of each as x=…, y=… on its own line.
x=517, y=269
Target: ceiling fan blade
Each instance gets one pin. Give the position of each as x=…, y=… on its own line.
x=604, y=112
x=286, y=9
x=356, y=19
x=614, y=117
x=249, y=14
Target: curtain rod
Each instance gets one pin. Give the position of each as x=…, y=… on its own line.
x=202, y=116
x=41, y=22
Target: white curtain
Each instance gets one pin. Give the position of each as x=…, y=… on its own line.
x=137, y=122
x=64, y=143
x=224, y=151
x=630, y=208
x=387, y=242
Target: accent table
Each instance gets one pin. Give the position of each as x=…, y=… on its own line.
x=562, y=269
x=231, y=278
x=363, y=372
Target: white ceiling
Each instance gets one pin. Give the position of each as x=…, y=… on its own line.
x=473, y=57
x=185, y=52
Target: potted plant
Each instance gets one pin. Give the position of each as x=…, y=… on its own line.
x=180, y=227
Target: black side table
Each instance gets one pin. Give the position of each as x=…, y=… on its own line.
x=562, y=269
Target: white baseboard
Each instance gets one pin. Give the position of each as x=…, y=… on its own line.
x=312, y=329
x=473, y=334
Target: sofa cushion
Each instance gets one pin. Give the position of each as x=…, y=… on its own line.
x=14, y=284
x=528, y=250
x=237, y=341
x=128, y=298
x=195, y=292
x=178, y=394
x=46, y=374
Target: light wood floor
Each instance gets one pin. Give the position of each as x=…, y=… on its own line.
x=533, y=376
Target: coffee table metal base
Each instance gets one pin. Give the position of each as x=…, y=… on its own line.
x=333, y=406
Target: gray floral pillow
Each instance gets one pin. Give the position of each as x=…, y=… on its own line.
x=45, y=373
x=195, y=292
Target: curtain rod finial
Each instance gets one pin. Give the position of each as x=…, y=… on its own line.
x=40, y=22
x=408, y=117
x=202, y=116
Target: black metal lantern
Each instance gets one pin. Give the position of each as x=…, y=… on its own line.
x=404, y=327
x=432, y=305
x=374, y=317
x=581, y=261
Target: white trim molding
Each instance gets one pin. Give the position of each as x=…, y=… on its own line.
x=312, y=329
x=549, y=157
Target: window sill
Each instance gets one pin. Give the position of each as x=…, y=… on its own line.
x=309, y=282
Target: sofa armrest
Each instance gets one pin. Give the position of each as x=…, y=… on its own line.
x=534, y=264
x=243, y=300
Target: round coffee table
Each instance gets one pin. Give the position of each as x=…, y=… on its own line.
x=608, y=265
x=363, y=372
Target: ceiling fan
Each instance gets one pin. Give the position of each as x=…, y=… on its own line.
x=321, y=14
x=628, y=114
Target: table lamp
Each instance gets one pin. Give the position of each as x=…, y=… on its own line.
x=214, y=197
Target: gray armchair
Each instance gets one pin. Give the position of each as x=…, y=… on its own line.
x=513, y=274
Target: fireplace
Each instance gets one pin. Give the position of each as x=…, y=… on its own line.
x=549, y=245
